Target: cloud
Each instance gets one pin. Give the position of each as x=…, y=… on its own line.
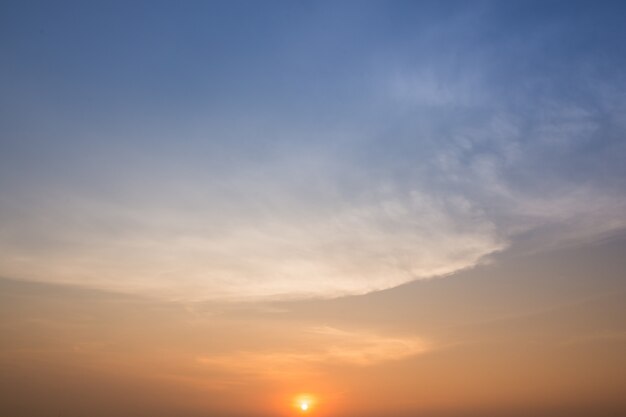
x=327, y=346
x=278, y=242
x=459, y=144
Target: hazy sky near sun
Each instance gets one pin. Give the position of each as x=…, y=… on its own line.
x=219, y=207
x=220, y=150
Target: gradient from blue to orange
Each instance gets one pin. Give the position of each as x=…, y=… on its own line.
x=212, y=208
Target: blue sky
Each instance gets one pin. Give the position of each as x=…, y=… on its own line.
x=298, y=149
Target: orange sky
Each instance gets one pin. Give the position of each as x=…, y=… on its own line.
x=540, y=334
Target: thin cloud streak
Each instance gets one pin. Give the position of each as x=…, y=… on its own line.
x=340, y=347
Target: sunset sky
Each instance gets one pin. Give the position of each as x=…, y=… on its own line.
x=322, y=208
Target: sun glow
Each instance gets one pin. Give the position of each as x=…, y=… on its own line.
x=304, y=402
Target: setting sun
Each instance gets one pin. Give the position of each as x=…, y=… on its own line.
x=304, y=402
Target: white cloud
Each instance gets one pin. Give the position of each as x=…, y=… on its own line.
x=298, y=250
x=469, y=148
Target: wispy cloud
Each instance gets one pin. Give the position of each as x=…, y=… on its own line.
x=327, y=346
x=454, y=145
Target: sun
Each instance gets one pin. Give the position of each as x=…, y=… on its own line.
x=304, y=402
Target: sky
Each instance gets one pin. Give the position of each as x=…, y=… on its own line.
x=375, y=208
